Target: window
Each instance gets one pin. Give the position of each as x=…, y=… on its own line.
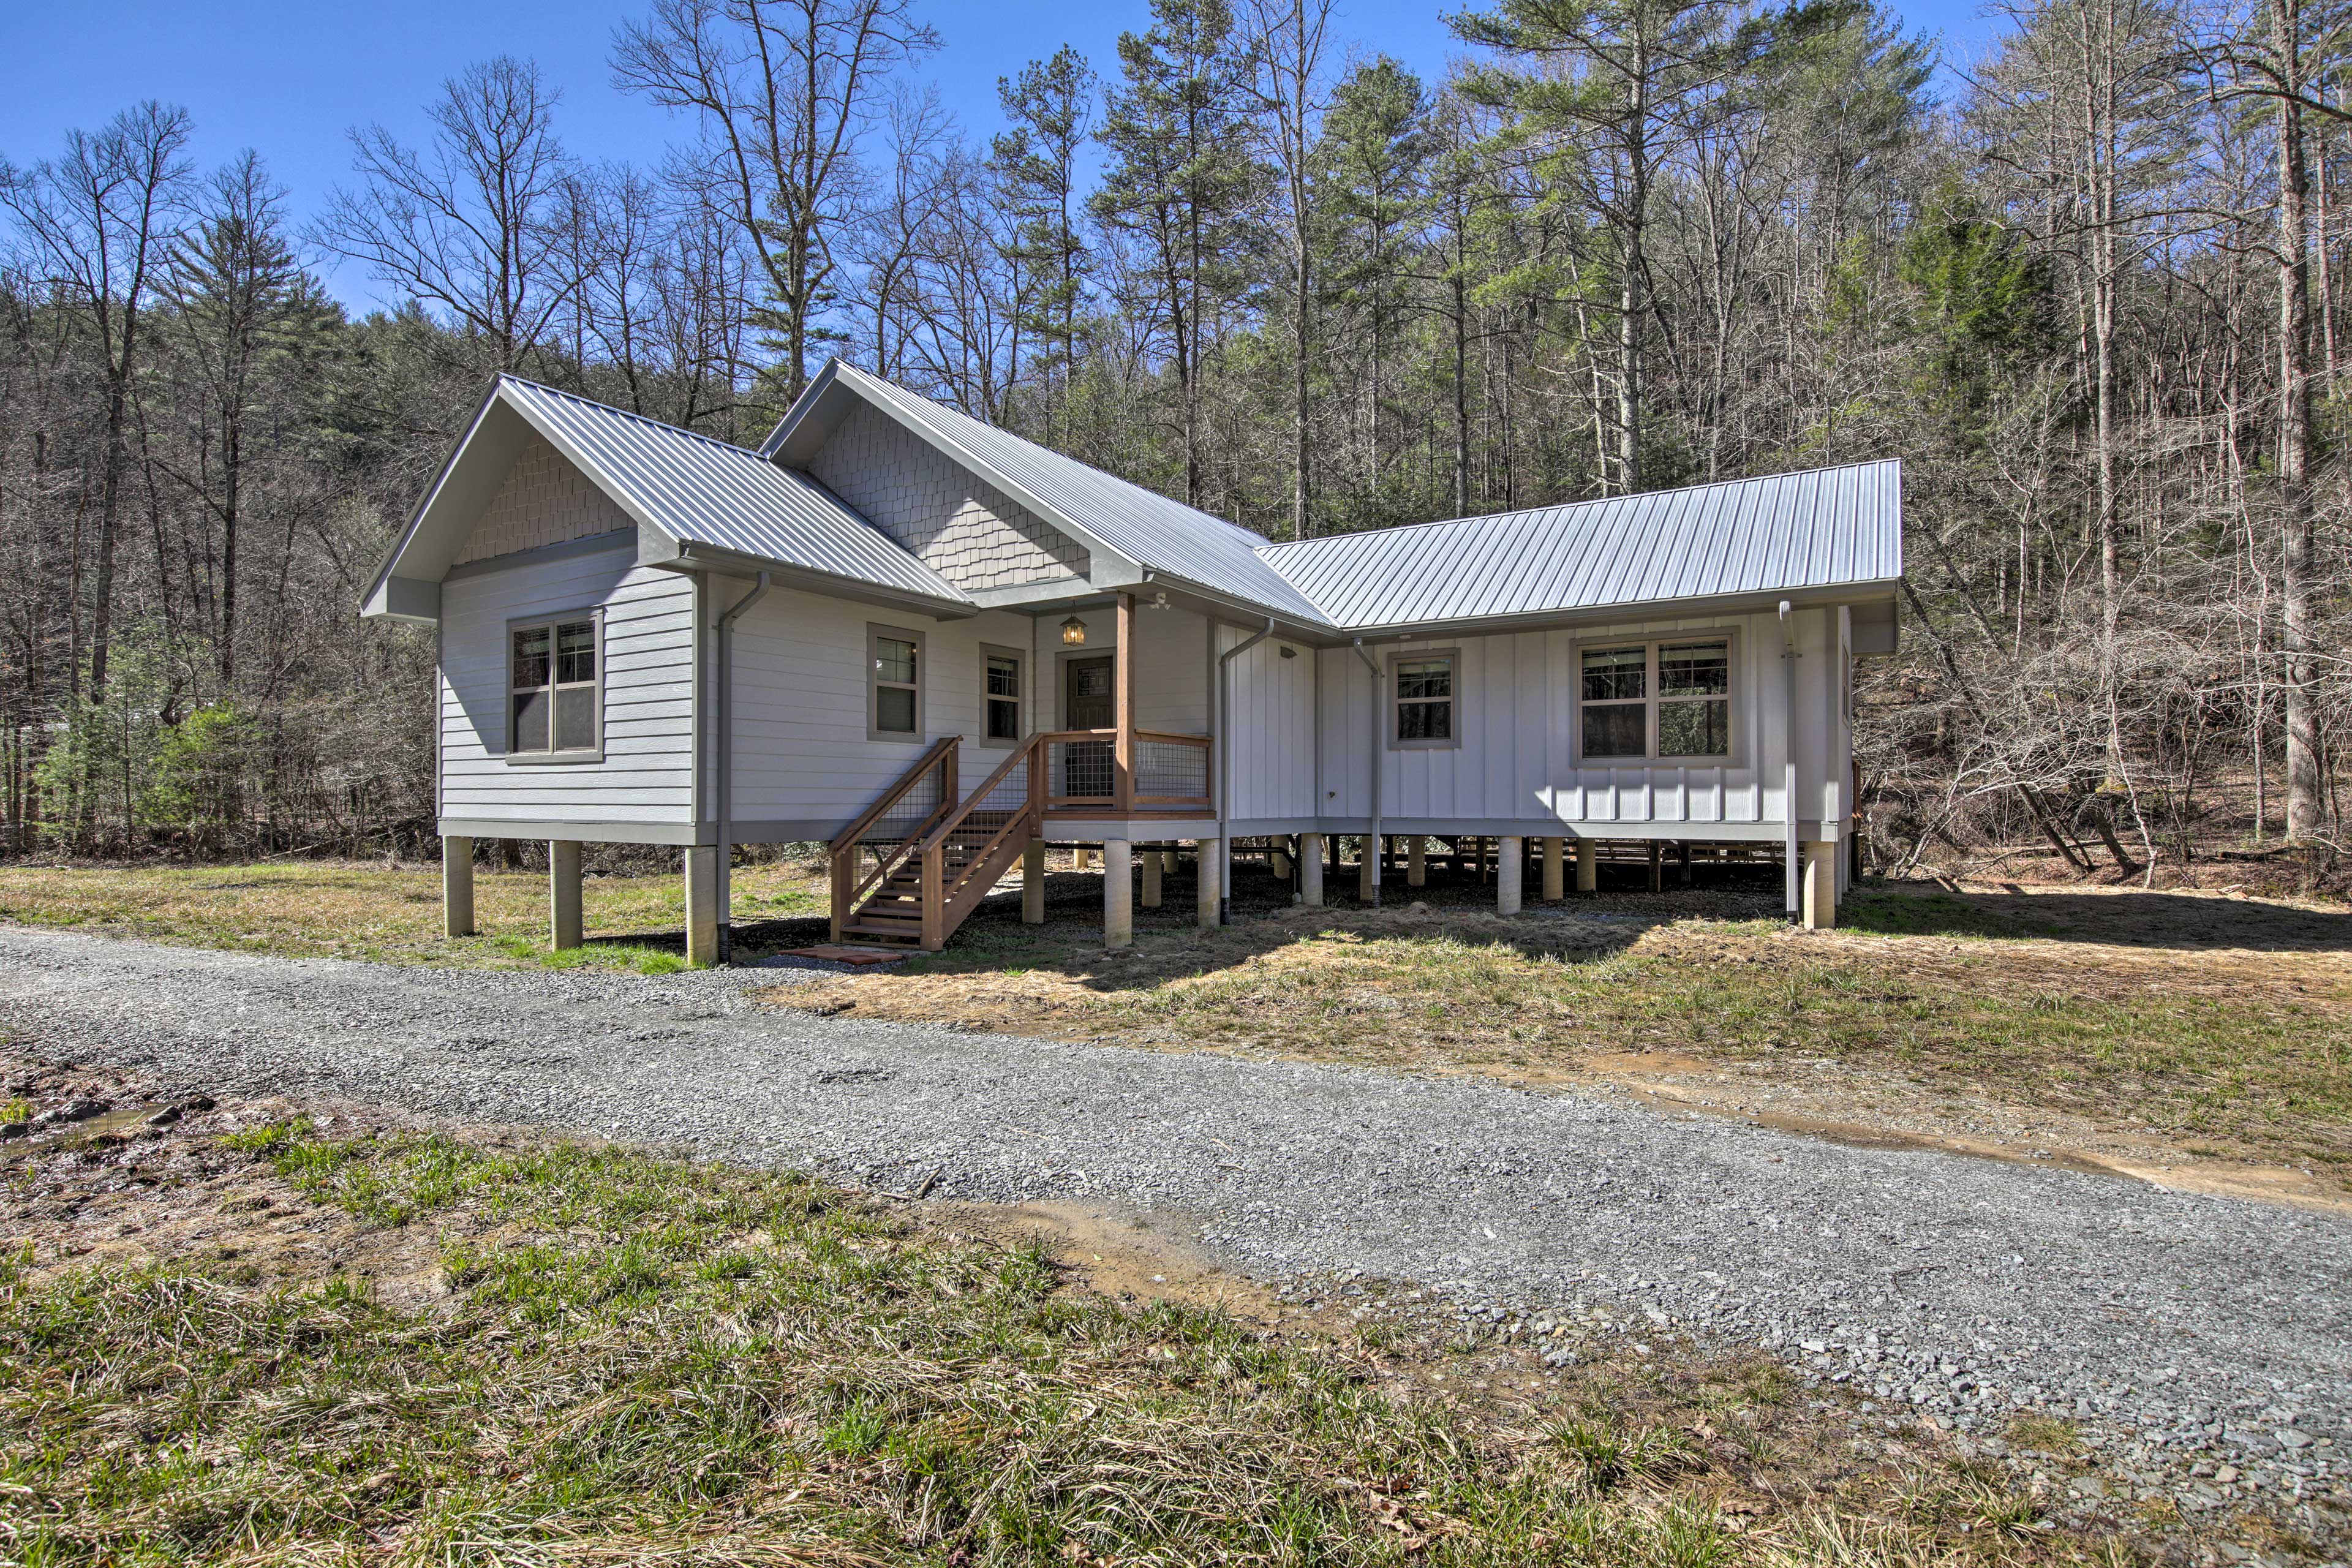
x=1616, y=701
x=894, y=680
x=1000, y=674
x=1423, y=687
x=1695, y=699
x=1665, y=701
x=555, y=690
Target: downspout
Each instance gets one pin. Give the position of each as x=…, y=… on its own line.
x=1788, y=758
x=1372, y=843
x=1225, y=768
x=726, y=749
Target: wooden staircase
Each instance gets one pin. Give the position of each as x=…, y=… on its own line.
x=914, y=866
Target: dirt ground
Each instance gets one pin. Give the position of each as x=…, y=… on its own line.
x=2195, y=1040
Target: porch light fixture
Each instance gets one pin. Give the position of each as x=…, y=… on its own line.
x=1074, y=632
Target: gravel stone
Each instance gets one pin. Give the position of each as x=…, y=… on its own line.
x=1968, y=1288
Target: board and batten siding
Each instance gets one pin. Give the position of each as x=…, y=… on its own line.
x=1269, y=727
x=646, y=772
x=1516, y=715
x=804, y=763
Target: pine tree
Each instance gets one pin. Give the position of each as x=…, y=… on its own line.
x=1036, y=160
x=1180, y=181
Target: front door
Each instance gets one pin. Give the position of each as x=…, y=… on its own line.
x=1089, y=702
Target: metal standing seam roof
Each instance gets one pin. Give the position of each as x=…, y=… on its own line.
x=1818, y=529
x=1148, y=529
x=702, y=490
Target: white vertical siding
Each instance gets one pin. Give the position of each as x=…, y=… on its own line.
x=1269, y=727
x=1515, y=716
x=647, y=775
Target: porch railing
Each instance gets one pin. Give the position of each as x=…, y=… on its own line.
x=893, y=827
x=1081, y=769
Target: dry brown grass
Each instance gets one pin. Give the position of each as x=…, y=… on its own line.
x=386, y=913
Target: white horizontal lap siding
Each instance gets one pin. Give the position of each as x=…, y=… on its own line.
x=801, y=751
x=1269, y=727
x=647, y=774
x=1516, y=720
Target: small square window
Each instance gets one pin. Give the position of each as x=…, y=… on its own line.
x=1616, y=731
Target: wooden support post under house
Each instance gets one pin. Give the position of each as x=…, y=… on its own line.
x=1555, y=870
x=1209, y=887
x=1118, y=893
x=1310, y=871
x=1367, y=860
x=701, y=905
x=1657, y=867
x=1685, y=858
x=458, y=885
x=1154, y=865
x=1416, y=862
x=1820, y=897
x=565, y=927
x=1032, y=883
x=1588, y=866
x=1510, y=863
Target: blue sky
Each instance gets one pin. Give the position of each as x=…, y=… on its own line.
x=288, y=80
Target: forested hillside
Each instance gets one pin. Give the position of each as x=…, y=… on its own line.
x=2090, y=290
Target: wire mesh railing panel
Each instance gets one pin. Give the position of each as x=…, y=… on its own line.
x=1082, y=770
x=910, y=811
x=1171, y=769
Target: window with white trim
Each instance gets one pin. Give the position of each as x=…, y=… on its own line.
x=1000, y=674
x=894, y=681
x=555, y=682
x=1422, y=692
x=1665, y=701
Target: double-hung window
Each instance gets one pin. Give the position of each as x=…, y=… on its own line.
x=1000, y=695
x=1665, y=701
x=1423, y=699
x=894, y=684
x=555, y=688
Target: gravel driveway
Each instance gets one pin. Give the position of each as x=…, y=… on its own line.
x=1962, y=1286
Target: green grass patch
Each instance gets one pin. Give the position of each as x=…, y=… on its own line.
x=644, y=1359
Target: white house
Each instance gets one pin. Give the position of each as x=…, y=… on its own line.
x=938, y=648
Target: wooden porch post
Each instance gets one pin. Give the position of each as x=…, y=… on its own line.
x=563, y=921
x=1555, y=871
x=458, y=885
x=1123, y=748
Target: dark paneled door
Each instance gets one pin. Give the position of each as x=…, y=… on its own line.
x=1089, y=702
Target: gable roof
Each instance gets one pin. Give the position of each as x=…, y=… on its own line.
x=695, y=490
x=1163, y=537
x=1820, y=528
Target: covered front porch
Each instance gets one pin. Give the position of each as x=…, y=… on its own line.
x=912, y=866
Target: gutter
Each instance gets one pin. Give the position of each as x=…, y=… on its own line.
x=1373, y=843
x=726, y=748
x=1225, y=766
x=1788, y=759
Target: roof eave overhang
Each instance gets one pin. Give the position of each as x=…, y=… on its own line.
x=1745, y=602
x=384, y=600
x=708, y=558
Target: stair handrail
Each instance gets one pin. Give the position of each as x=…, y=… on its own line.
x=847, y=888
x=1031, y=815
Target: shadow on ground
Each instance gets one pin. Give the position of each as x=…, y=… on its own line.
x=2122, y=918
